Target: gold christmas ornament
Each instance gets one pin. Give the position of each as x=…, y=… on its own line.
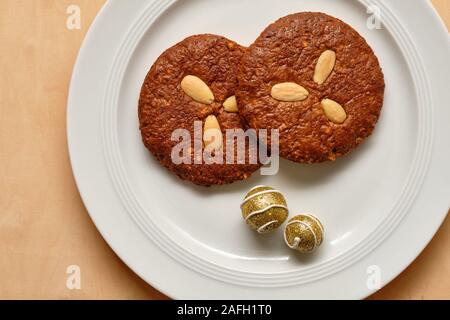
x=264, y=209
x=304, y=233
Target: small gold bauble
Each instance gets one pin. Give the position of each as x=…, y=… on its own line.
x=264, y=209
x=304, y=233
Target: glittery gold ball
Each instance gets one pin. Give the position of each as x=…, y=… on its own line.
x=304, y=233
x=264, y=209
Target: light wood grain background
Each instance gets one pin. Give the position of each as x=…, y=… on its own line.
x=44, y=226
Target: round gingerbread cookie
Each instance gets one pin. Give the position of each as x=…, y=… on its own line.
x=192, y=85
x=317, y=81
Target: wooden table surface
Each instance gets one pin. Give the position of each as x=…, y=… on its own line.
x=44, y=227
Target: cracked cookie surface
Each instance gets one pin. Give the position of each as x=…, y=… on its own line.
x=288, y=51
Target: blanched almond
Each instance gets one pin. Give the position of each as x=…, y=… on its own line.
x=334, y=111
x=212, y=135
x=324, y=66
x=289, y=92
x=230, y=105
x=197, y=89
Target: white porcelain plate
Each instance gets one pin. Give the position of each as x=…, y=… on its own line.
x=380, y=205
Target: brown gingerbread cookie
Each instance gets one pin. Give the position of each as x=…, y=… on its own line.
x=192, y=82
x=317, y=81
